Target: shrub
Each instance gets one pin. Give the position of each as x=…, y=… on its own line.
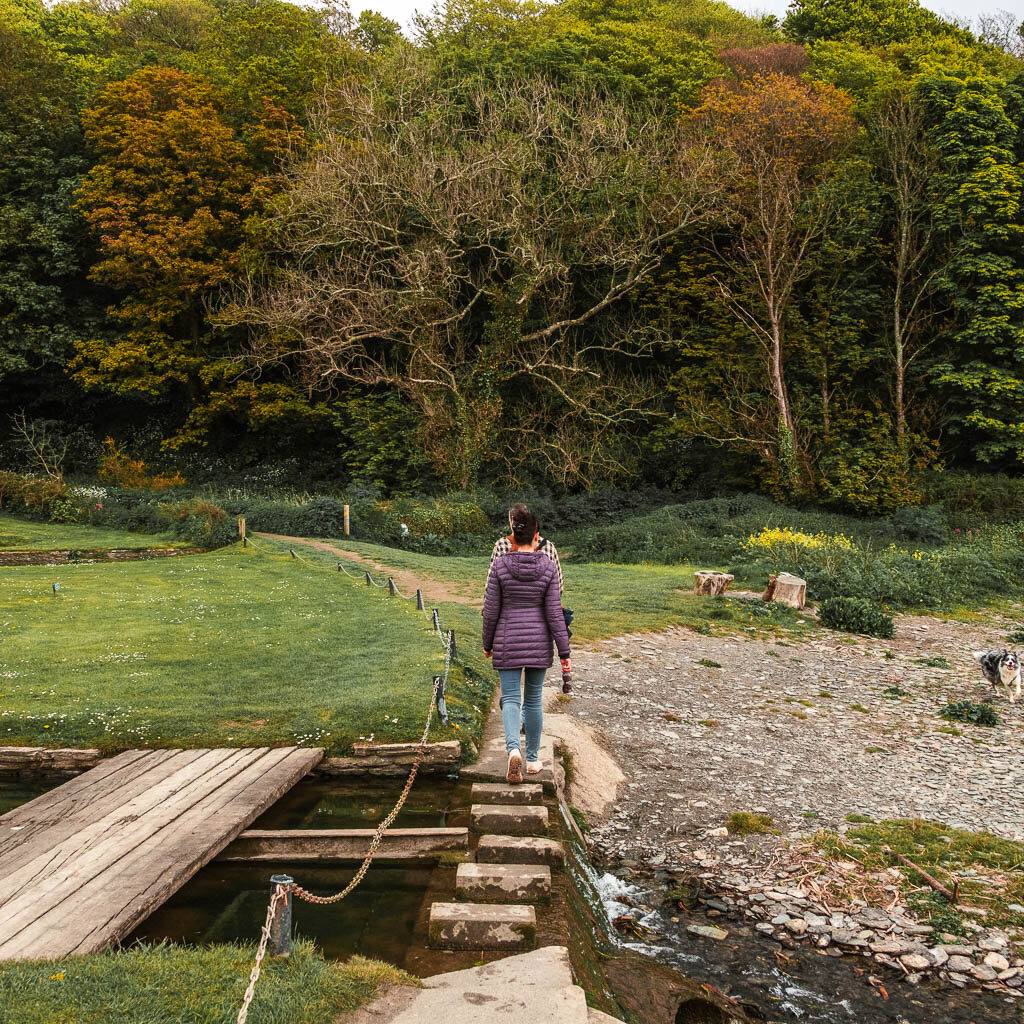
x=928, y=525
x=200, y=523
x=855, y=615
x=744, y=823
x=969, y=711
x=117, y=467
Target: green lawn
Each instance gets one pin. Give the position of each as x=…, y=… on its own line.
x=181, y=985
x=232, y=648
x=24, y=534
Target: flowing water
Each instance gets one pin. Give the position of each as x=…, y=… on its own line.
x=671, y=978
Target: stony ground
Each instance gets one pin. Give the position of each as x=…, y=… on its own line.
x=704, y=726
x=803, y=731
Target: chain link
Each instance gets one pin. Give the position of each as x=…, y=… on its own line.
x=278, y=894
x=387, y=822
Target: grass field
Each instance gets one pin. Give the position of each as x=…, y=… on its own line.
x=24, y=534
x=181, y=985
x=233, y=648
x=608, y=600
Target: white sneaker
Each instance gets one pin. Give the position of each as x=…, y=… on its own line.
x=515, y=767
x=534, y=767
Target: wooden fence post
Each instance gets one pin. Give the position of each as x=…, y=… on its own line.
x=241, y=530
x=346, y=519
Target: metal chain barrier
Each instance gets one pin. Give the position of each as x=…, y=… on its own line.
x=378, y=835
x=281, y=891
x=279, y=894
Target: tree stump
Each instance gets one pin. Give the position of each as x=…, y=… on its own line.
x=709, y=583
x=788, y=589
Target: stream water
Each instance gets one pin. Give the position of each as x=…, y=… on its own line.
x=668, y=978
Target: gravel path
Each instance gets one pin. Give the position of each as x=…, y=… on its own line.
x=802, y=731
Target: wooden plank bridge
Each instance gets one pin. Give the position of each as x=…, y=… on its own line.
x=82, y=865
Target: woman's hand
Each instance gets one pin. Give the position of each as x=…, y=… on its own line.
x=487, y=653
x=567, y=665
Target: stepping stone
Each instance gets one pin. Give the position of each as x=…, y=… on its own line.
x=509, y=819
x=504, y=883
x=502, y=793
x=482, y=926
x=519, y=850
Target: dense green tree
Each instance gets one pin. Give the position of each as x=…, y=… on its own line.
x=41, y=240
x=166, y=199
x=868, y=22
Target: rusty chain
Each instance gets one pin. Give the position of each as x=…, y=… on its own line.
x=378, y=835
x=281, y=891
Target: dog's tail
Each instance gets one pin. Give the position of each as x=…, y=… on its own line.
x=979, y=656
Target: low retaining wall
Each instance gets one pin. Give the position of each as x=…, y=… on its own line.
x=46, y=762
x=385, y=759
x=393, y=759
x=69, y=555
x=344, y=844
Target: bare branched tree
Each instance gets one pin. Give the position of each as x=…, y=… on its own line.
x=912, y=249
x=476, y=245
x=39, y=443
x=1003, y=29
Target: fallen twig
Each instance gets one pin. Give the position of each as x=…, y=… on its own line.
x=953, y=895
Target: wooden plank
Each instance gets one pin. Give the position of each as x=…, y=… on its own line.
x=25, y=833
x=343, y=844
x=49, y=879
x=157, y=871
x=158, y=842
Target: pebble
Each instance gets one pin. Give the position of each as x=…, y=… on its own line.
x=915, y=961
x=984, y=973
x=764, y=928
x=797, y=925
x=960, y=964
x=709, y=932
x=997, y=961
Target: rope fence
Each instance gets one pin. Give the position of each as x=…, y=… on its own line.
x=278, y=919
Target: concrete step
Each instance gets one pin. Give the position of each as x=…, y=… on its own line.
x=524, y=988
x=503, y=883
x=519, y=850
x=482, y=926
x=503, y=793
x=509, y=819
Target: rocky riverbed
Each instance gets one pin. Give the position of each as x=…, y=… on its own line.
x=807, y=733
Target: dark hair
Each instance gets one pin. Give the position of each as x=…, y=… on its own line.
x=524, y=527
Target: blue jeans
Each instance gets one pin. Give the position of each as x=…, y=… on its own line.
x=526, y=708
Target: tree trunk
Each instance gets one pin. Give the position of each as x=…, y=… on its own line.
x=709, y=583
x=786, y=589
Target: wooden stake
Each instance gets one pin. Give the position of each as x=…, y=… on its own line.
x=241, y=530
x=345, y=507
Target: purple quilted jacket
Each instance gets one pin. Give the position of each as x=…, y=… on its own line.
x=523, y=611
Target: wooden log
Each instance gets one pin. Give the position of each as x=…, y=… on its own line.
x=393, y=759
x=710, y=583
x=787, y=589
x=352, y=844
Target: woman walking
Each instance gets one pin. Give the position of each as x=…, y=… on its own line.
x=522, y=614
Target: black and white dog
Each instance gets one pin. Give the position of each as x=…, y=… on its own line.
x=1001, y=667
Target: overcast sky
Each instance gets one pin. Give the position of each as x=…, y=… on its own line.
x=401, y=10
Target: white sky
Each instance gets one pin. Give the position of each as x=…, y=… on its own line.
x=401, y=10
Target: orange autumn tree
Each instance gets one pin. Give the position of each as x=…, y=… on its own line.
x=783, y=139
x=166, y=199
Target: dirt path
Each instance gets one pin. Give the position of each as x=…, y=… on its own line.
x=434, y=591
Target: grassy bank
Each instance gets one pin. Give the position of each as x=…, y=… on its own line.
x=233, y=648
x=180, y=985
x=23, y=534
x=988, y=869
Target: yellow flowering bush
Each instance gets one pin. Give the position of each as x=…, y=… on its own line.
x=785, y=547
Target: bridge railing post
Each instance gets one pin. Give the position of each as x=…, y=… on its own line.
x=281, y=923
